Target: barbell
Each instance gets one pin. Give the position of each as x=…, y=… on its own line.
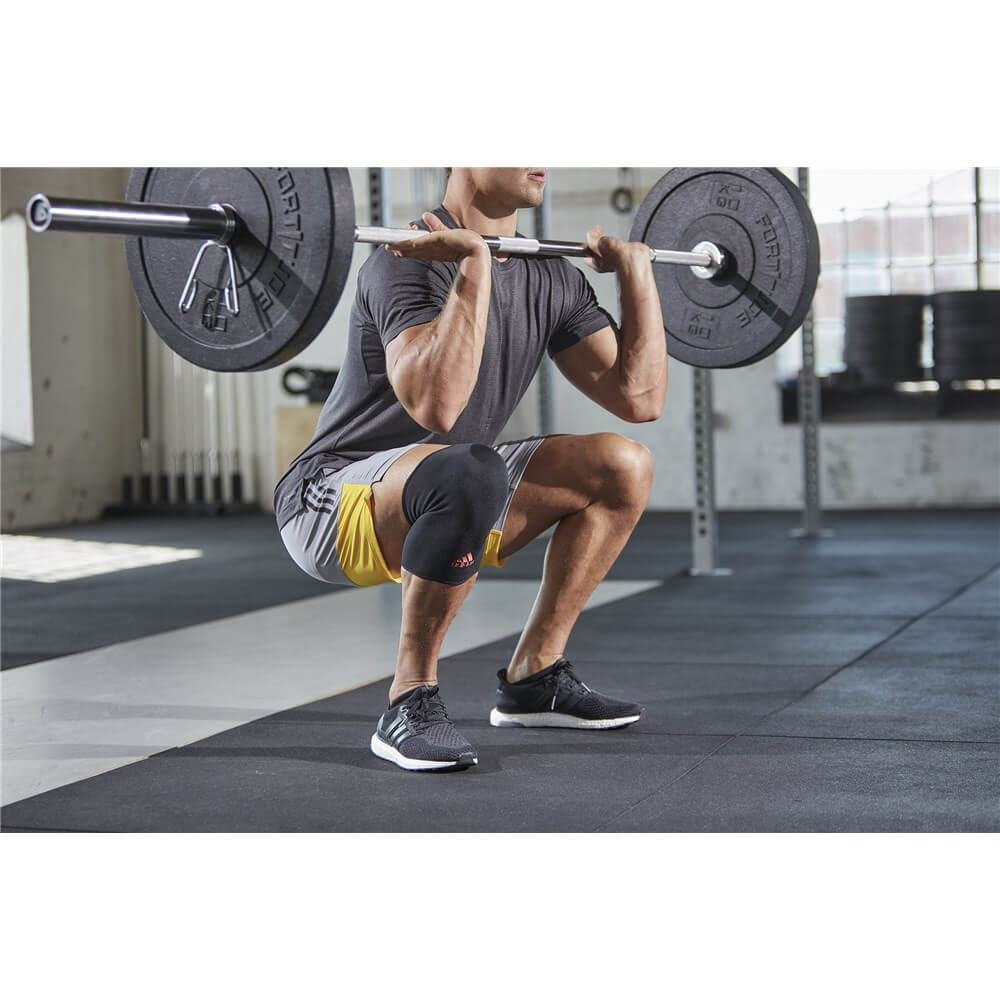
x=276, y=244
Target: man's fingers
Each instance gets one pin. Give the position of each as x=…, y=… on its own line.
x=600, y=245
x=402, y=248
x=593, y=238
x=407, y=246
x=436, y=225
x=426, y=246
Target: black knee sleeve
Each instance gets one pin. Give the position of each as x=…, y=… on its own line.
x=452, y=500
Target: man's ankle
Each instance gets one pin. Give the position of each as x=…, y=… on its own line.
x=524, y=667
x=398, y=691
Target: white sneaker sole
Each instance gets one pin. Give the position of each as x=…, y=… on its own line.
x=556, y=720
x=391, y=754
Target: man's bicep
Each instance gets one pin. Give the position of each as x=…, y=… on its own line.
x=590, y=362
x=396, y=350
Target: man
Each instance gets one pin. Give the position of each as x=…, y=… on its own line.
x=402, y=480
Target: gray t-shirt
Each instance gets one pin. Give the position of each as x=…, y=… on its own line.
x=535, y=305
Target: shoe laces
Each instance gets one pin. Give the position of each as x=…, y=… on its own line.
x=426, y=708
x=561, y=677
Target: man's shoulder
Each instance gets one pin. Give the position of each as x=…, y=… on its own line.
x=565, y=271
x=378, y=263
x=568, y=281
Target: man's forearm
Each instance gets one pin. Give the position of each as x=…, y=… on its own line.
x=642, y=353
x=440, y=366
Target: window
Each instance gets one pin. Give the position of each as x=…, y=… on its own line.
x=918, y=234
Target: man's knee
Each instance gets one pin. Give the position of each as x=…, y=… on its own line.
x=470, y=480
x=452, y=499
x=626, y=467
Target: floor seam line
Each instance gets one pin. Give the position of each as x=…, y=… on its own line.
x=892, y=635
x=870, y=739
x=48, y=829
x=844, y=739
x=963, y=589
x=601, y=828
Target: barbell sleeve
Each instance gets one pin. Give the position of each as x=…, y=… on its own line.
x=123, y=218
x=218, y=223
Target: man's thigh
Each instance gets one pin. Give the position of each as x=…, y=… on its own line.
x=389, y=521
x=566, y=473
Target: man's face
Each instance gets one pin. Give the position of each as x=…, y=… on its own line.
x=511, y=187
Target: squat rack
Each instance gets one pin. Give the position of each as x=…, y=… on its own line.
x=704, y=515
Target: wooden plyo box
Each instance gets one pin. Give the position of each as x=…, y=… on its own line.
x=296, y=425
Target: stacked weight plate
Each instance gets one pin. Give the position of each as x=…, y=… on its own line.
x=882, y=338
x=966, y=335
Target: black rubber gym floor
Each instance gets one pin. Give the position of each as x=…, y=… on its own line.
x=843, y=684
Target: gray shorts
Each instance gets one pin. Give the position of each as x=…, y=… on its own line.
x=333, y=538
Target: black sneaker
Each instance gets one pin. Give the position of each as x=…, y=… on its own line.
x=557, y=697
x=416, y=733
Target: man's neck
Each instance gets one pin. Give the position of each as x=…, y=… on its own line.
x=475, y=213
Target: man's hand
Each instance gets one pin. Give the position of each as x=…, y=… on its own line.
x=441, y=243
x=608, y=253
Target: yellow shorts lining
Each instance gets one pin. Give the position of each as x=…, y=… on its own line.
x=491, y=554
x=358, y=550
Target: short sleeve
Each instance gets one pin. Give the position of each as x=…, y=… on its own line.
x=581, y=315
x=402, y=292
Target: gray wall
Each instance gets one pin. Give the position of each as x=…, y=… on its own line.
x=85, y=356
